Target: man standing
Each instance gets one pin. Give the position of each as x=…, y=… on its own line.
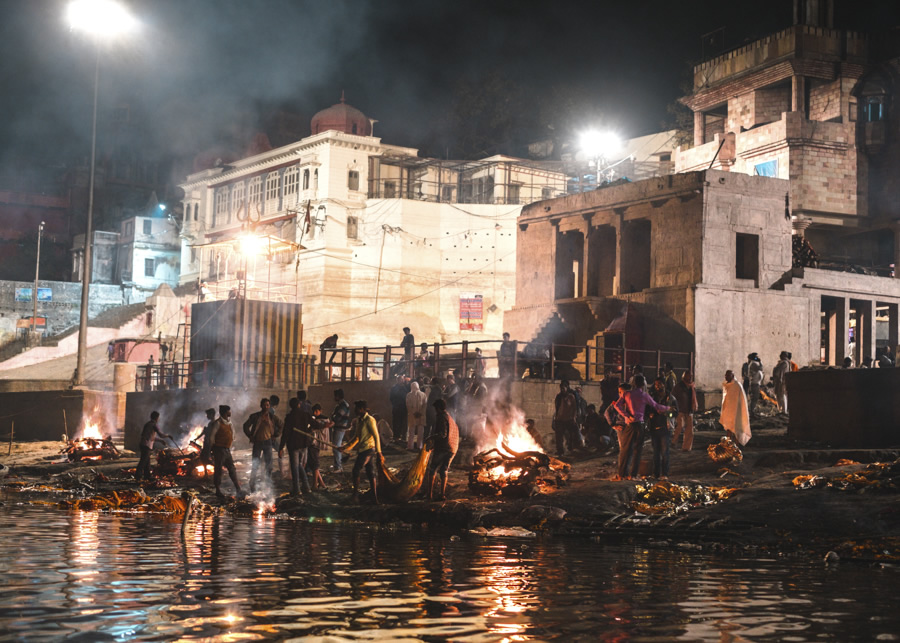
x=262, y=427
x=564, y=426
x=415, y=409
x=782, y=368
x=434, y=394
x=148, y=437
x=408, y=344
x=206, y=451
x=507, y=357
x=295, y=438
x=222, y=437
x=686, y=398
x=661, y=429
x=369, y=448
x=669, y=374
x=734, y=415
x=631, y=407
x=480, y=365
x=340, y=416
x=445, y=441
x=397, y=397
x=755, y=378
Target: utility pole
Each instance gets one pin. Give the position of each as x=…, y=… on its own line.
x=34, y=294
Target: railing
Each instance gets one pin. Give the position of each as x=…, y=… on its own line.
x=288, y=372
x=536, y=361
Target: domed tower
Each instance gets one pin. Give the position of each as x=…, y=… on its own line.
x=343, y=118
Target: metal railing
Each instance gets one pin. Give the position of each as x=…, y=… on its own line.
x=289, y=372
x=520, y=360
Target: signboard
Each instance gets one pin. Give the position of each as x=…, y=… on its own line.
x=471, y=312
x=24, y=294
x=40, y=322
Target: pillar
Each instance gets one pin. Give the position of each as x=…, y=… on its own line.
x=619, y=224
x=699, y=128
x=897, y=252
x=838, y=323
x=893, y=328
x=798, y=94
x=865, y=326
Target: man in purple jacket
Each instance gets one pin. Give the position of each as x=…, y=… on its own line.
x=631, y=406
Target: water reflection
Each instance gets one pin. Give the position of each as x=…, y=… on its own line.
x=100, y=576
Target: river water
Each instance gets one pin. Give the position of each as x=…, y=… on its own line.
x=89, y=576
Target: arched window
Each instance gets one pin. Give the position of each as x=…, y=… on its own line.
x=315, y=179
x=873, y=99
x=196, y=210
x=305, y=179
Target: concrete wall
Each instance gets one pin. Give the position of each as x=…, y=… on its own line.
x=61, y=313
x=845, y=408
x=38, y=415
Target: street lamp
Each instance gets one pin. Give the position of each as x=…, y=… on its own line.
x=102, y=20
x=600, y=147
x=37, y=273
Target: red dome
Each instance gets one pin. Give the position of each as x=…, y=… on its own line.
x=343, y=118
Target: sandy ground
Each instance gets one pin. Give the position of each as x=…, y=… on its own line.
x=765, y=512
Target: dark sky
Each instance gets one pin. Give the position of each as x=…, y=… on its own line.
x=199, y=67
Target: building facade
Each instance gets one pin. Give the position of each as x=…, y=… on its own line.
x=369, y=237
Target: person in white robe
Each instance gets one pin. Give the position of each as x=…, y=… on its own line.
x=735, y=416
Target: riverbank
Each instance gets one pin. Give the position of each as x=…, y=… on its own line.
x=765, y=511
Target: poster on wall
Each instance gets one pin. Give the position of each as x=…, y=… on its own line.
x=23, y=294
x=471, y=312
x=45, y=294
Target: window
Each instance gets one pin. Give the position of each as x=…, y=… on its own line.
x=221, y=206
x=546, y=193
x=237, y=200
x=291, y=176
x=273, y=186
x=196, y=209
x=354, y=128
x=305, y=179
x=514, y=193
x=390, y=190
x=254, y=193
x=149, y=267
x=353, y=180
x=128, y=229
x=447, y=193
x=148, y=226
x=316, y=180
x=352, y=228
x=193, y=255
x=746, y=264
x=873, y=107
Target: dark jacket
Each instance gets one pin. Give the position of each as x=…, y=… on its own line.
x=446, y=433
x=293, y=440
x=251, y=423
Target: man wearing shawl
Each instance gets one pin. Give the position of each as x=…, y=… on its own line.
x=735, y=416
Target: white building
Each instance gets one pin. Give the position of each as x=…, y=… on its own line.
x=149, y=254
x=369, y=237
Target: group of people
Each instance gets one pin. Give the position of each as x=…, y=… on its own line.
x=753, y=376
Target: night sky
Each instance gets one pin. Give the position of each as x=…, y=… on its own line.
x=198, y=69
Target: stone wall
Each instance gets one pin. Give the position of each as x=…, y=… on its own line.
x=62, y=312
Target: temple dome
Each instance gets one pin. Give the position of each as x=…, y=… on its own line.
x=343, y=118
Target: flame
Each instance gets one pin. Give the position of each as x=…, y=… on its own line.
x=201, y=469
x=91, y=430
x=194, y=435
x=516, y=438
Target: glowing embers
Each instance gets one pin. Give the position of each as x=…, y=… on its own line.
x=90, y=445
x=515, y=467
x=185, y=460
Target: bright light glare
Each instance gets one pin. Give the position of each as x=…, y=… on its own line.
x=103, y=18
x=600, y=144
x=252, y=246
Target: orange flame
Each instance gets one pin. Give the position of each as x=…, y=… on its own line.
x=516, y=438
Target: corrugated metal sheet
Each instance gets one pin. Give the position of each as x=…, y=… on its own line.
x=265, y=349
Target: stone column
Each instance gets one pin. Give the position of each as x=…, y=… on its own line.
x=798, y=94
x=586, y=266
x=865, y=327
x=897, y=251
x=838, y=322
x=619, y=224
x=893, y=328
x=699, y=129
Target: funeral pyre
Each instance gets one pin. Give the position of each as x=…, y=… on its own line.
x=185, y=460
x=91, y=445
x=515, y=466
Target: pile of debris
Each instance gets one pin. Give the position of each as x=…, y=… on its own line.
x=669, y=498
x=505, y=472
x=725, y=451
x=186, y=461
x=127, y=500
x=879, y=476
x=85, y=449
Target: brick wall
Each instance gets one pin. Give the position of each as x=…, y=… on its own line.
x=769, y=103
x=824, y=100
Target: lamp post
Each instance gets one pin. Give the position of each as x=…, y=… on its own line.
x=599, y=147
x=102, y=19
x=37, y=274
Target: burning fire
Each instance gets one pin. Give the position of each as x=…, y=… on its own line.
x=516, y=439
x=195, y=434
x=90, y=445
x=91, y=430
